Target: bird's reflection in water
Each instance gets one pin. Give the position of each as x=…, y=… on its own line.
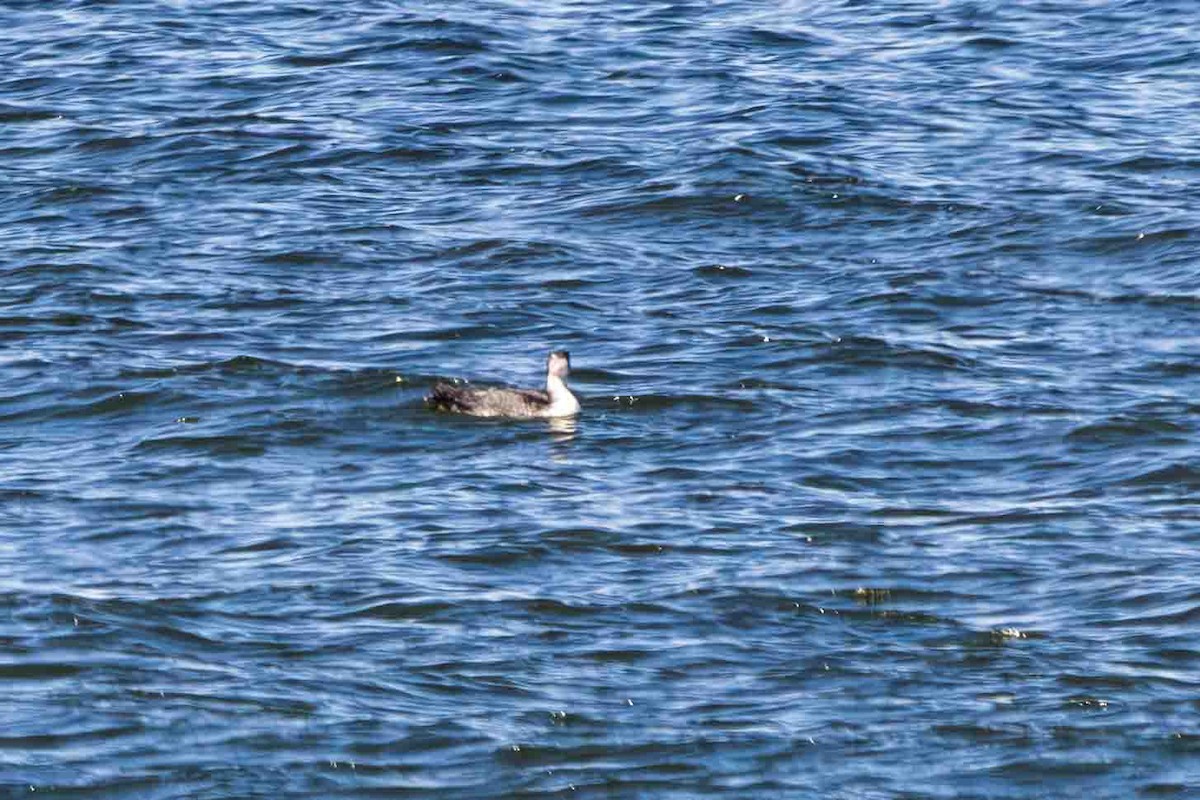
x=563, y=430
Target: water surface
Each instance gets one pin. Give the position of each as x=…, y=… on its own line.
x=886, y=317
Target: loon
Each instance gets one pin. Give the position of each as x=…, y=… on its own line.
x=555, y=401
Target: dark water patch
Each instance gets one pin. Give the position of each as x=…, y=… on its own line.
x=1166, y=789
x=439, y=335
x=217, y=445
x=72, y=739
x=296, y=258
x=411, y=154
x=1155, y=299
x=17, y=114
x=988, y=43
x=866, y=351
x=1118, y=429
x=263, y=546
x=253, y=301
x=1172, y=369
x=568, y=540
x=1180, y=476
x=396, y=610
x=1017, y=516
x=786, y=40
x=1130, y=242
x=835, y=531
x=1153, y=165
x=567, y=284
x=75, y=194
x=676, y=207
x=447, y=45
x=118, y=403
x=113, y=143
x=721, y=271
x=38, y=671
x=651, y=403
x=241, y=365
x=497, y=556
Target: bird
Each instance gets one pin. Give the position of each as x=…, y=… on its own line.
x=556, y=400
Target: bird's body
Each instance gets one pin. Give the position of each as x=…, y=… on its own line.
x=556, y=400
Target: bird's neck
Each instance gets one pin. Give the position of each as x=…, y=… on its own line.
x=562, y=402
x=556, y=387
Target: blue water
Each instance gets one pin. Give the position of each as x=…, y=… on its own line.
x=886, y=320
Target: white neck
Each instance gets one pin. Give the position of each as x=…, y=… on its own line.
x=556, y=387
x=562, y=402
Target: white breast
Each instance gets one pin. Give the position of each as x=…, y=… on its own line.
x=562, y=404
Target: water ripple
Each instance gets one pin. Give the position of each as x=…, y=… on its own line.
x=884, y=321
